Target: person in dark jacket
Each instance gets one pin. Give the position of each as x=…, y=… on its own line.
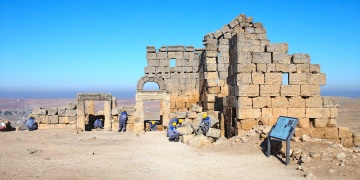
x=177, y=121
x=205, y=124
x=174, y=133
x=31, y=124
x=122, y=121
x=98, y=124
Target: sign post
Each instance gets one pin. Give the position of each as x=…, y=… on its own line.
x=283, y=130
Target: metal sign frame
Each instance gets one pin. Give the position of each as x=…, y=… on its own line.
x=283, y=130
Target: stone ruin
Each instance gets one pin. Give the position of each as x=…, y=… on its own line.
x=238, y=77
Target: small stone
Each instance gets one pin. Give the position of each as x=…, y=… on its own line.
x=331, y=170
x=341, y=156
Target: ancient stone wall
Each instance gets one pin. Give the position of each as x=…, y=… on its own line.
x=181, y=80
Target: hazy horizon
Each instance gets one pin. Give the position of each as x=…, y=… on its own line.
x=131, y=94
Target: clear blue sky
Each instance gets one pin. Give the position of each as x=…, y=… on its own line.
x=95, y=45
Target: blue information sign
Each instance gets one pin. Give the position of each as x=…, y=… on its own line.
x=283, y=127
x=283, y=130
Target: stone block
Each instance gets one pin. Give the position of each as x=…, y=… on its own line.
x=277, y=112
x=244, y=57
x=304, y=123
x=210, y=67
x=211, y=54
x=248, y=113
x=261, y=102
x=209, y=106
x=301, y=131
x=261, y=68
x=290, y=90
x=334, y=112
x=181, y=115
x=162, y=56
x=281, y=58
x=317, y=133
x=64, y=120
x=347, y=142
x=153, y=63
x=330, y=102
x=70, y=113
x=321, y=113
x=283, y=68
x=266, y=116
x=42, y=119
x=331, y=123
x=39, y=111
x=309, y=90
x=298, y=78
x=273, y=78
x=320, y=123
x=303, y=68
x=213, y=90
x=196, y=108
x=296, y=102
x=344, y=132
x=248, y=124
x=301, y=58
x=164, y=63
x=269, y=90
x=211, y=75
x=278, y=47
x=247, y=90
x=53, y=111
x=210, y=97
x=279, y=102
x=331, y=133
x=244, y=102
x=191, y=115
x=61, y=111
x=314, y=68
x=317, y=79
x=150, y=56
x=54, y=119
x=150, y=49
x=257, y=78
x=336, y=140
x=46, y=126
x=261, y=57
x=297, y=112
x=314, y=102
x=70, y=106
x=246, y=68
x=244, y=78
x=356, y=138
x=270, y=68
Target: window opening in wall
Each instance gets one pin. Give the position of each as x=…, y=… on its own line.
x=172, y=62
x=285, y=80
x=151, y=86
x=152, y=113
x=94, y=111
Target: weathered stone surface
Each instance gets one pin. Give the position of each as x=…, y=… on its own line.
x=278, y=47
x=301, y=131
x=290, y=90
x=215, y=133
x=257, y=78
x=304, y=123
x=39, y=111
x=296, y=112
x=181, y=115
x=347, y=142
x=61, y=111
x=310, y=90
x=273, y=78
x=320, y=123
x=301, y=58
x=331, y=123
x=296, y=102
x=279, y=102
x=330, y=102
x=196, y=108
x=314, y=102
x=298, y=78
x=191, y=115
x=244, y=102
x=198, y=141
x=269, y=90
x=70, y=113
x=321, y=113
x=261, y=102
x=53, y=111
x=261, y=57
x=344, y=132
x=248, y=113
x=70, y=106
x=281, y=58
x=331, y=133
x=317, y=133
x=248, y=124
x=356, y=138
x=247, y=90
x=54, y=119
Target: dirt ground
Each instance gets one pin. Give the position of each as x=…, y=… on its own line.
x=68, y=154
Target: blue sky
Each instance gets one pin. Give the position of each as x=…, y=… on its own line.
x=93, y=45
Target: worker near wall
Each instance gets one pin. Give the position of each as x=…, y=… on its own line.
x=174, y=133
x=122, y=121
x=98, y=124
x=31, y=124
x=205, y=124
x=153, y=125
x=178, y=123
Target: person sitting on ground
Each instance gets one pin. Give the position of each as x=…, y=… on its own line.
x=5, y=126
x=174, y=133
x=205, y=124
x=31, y=124
x=153, y=125
x=98, y=124
x=122, y=121
x=177, y=121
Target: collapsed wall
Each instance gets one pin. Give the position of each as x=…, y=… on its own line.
x=265, y=82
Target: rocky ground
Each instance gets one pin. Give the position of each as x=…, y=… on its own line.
x=67, y=154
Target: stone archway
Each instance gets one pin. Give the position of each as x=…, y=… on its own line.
x=142, y=96
x=82, y=97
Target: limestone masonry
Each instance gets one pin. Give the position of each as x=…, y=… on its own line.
x=238, y=77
